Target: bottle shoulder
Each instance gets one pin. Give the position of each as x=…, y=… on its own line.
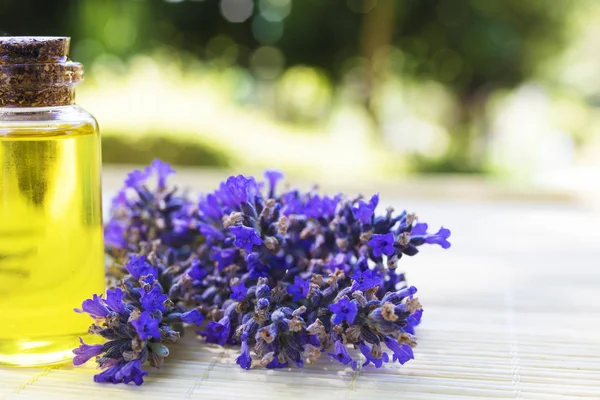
x=46, y=120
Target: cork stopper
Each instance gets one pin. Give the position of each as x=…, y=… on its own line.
x=36, y=72
x=33, y=50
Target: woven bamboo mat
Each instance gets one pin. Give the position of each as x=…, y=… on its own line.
x=512, y=310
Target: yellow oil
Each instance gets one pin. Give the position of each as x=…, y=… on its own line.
x=51, y=246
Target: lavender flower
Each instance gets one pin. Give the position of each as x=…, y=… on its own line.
x=365, y=280
x=153, y=300
x=114, y=300
x=137, y=178
x=84, y=352
x=139, y=266
x=217, y=332
x=343, y=310
x=131, y=372
x=372, y=358
x=245, y=238
x=141, y=215
x=402, y=353
x=192, y=317
x=299, y=289
x=273, y=176
x=162, y=171
x=114, y=234
x=287, y=276
x=224, y=257
x=195, y=271
x=124, y=372
x=244, y=360
x=136, y=320
x=95, y=307
x=341, y=354
x=364, y=211
x=382, y=244
x=146, y=326
x=238, y=291
x=439, y=238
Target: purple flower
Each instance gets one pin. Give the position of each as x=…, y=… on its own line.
x=153, y=300
x=365, y=280
x=364, y=211
x=406, y=291
x=299, y=289
x=339, y=261
x=420, y=229
x=343, y=310
x=255, y=266
x=374, y=201
x=217, y=332
x=238, y=292
x=148, y=280
x=94, y=307
x=85, y=351
x=114, y=234
x=439, y=238
x=181, y=223
x=382, y=244
x=245, y=237
x=139, y=266
x=413, y=320
x=210, y=232
x=329, y=205
x=314, y=249
x=273, y=176
x=114, y=299
x=292, y=204
x=209, y=207
x=244, y=360
x=378, y=362
x=109, y=375
x=402, y=354
x=192, y=317
x=131, y=372
x=119, y=201
x=318, y=207
x=276, y=364
x=146, y=326
x=262, y=304
x=341, y=354
x=162, y=171
x=195, y=271
x=135, y=179
x=237, y=190
x=224, y=257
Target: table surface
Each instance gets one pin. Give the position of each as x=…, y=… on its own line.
x=512, y=310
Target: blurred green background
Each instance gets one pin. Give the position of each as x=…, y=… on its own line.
x=338, y=88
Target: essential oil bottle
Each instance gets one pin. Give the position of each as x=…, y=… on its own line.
x=51, y=248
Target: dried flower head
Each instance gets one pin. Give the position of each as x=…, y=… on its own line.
x=286, y=276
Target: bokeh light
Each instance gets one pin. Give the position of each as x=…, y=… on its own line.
x=237, y=10
x=265, y=31
x=275, y=10
x=267, y=62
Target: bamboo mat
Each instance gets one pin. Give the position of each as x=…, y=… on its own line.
x=512, y=310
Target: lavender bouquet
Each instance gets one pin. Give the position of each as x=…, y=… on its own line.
x=285, y=276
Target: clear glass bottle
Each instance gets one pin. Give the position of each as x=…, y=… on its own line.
x=51, y=245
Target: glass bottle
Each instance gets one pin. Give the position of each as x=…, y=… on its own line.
x=51, y=245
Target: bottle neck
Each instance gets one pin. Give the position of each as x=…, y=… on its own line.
x=39, y=85
x=37, y=96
